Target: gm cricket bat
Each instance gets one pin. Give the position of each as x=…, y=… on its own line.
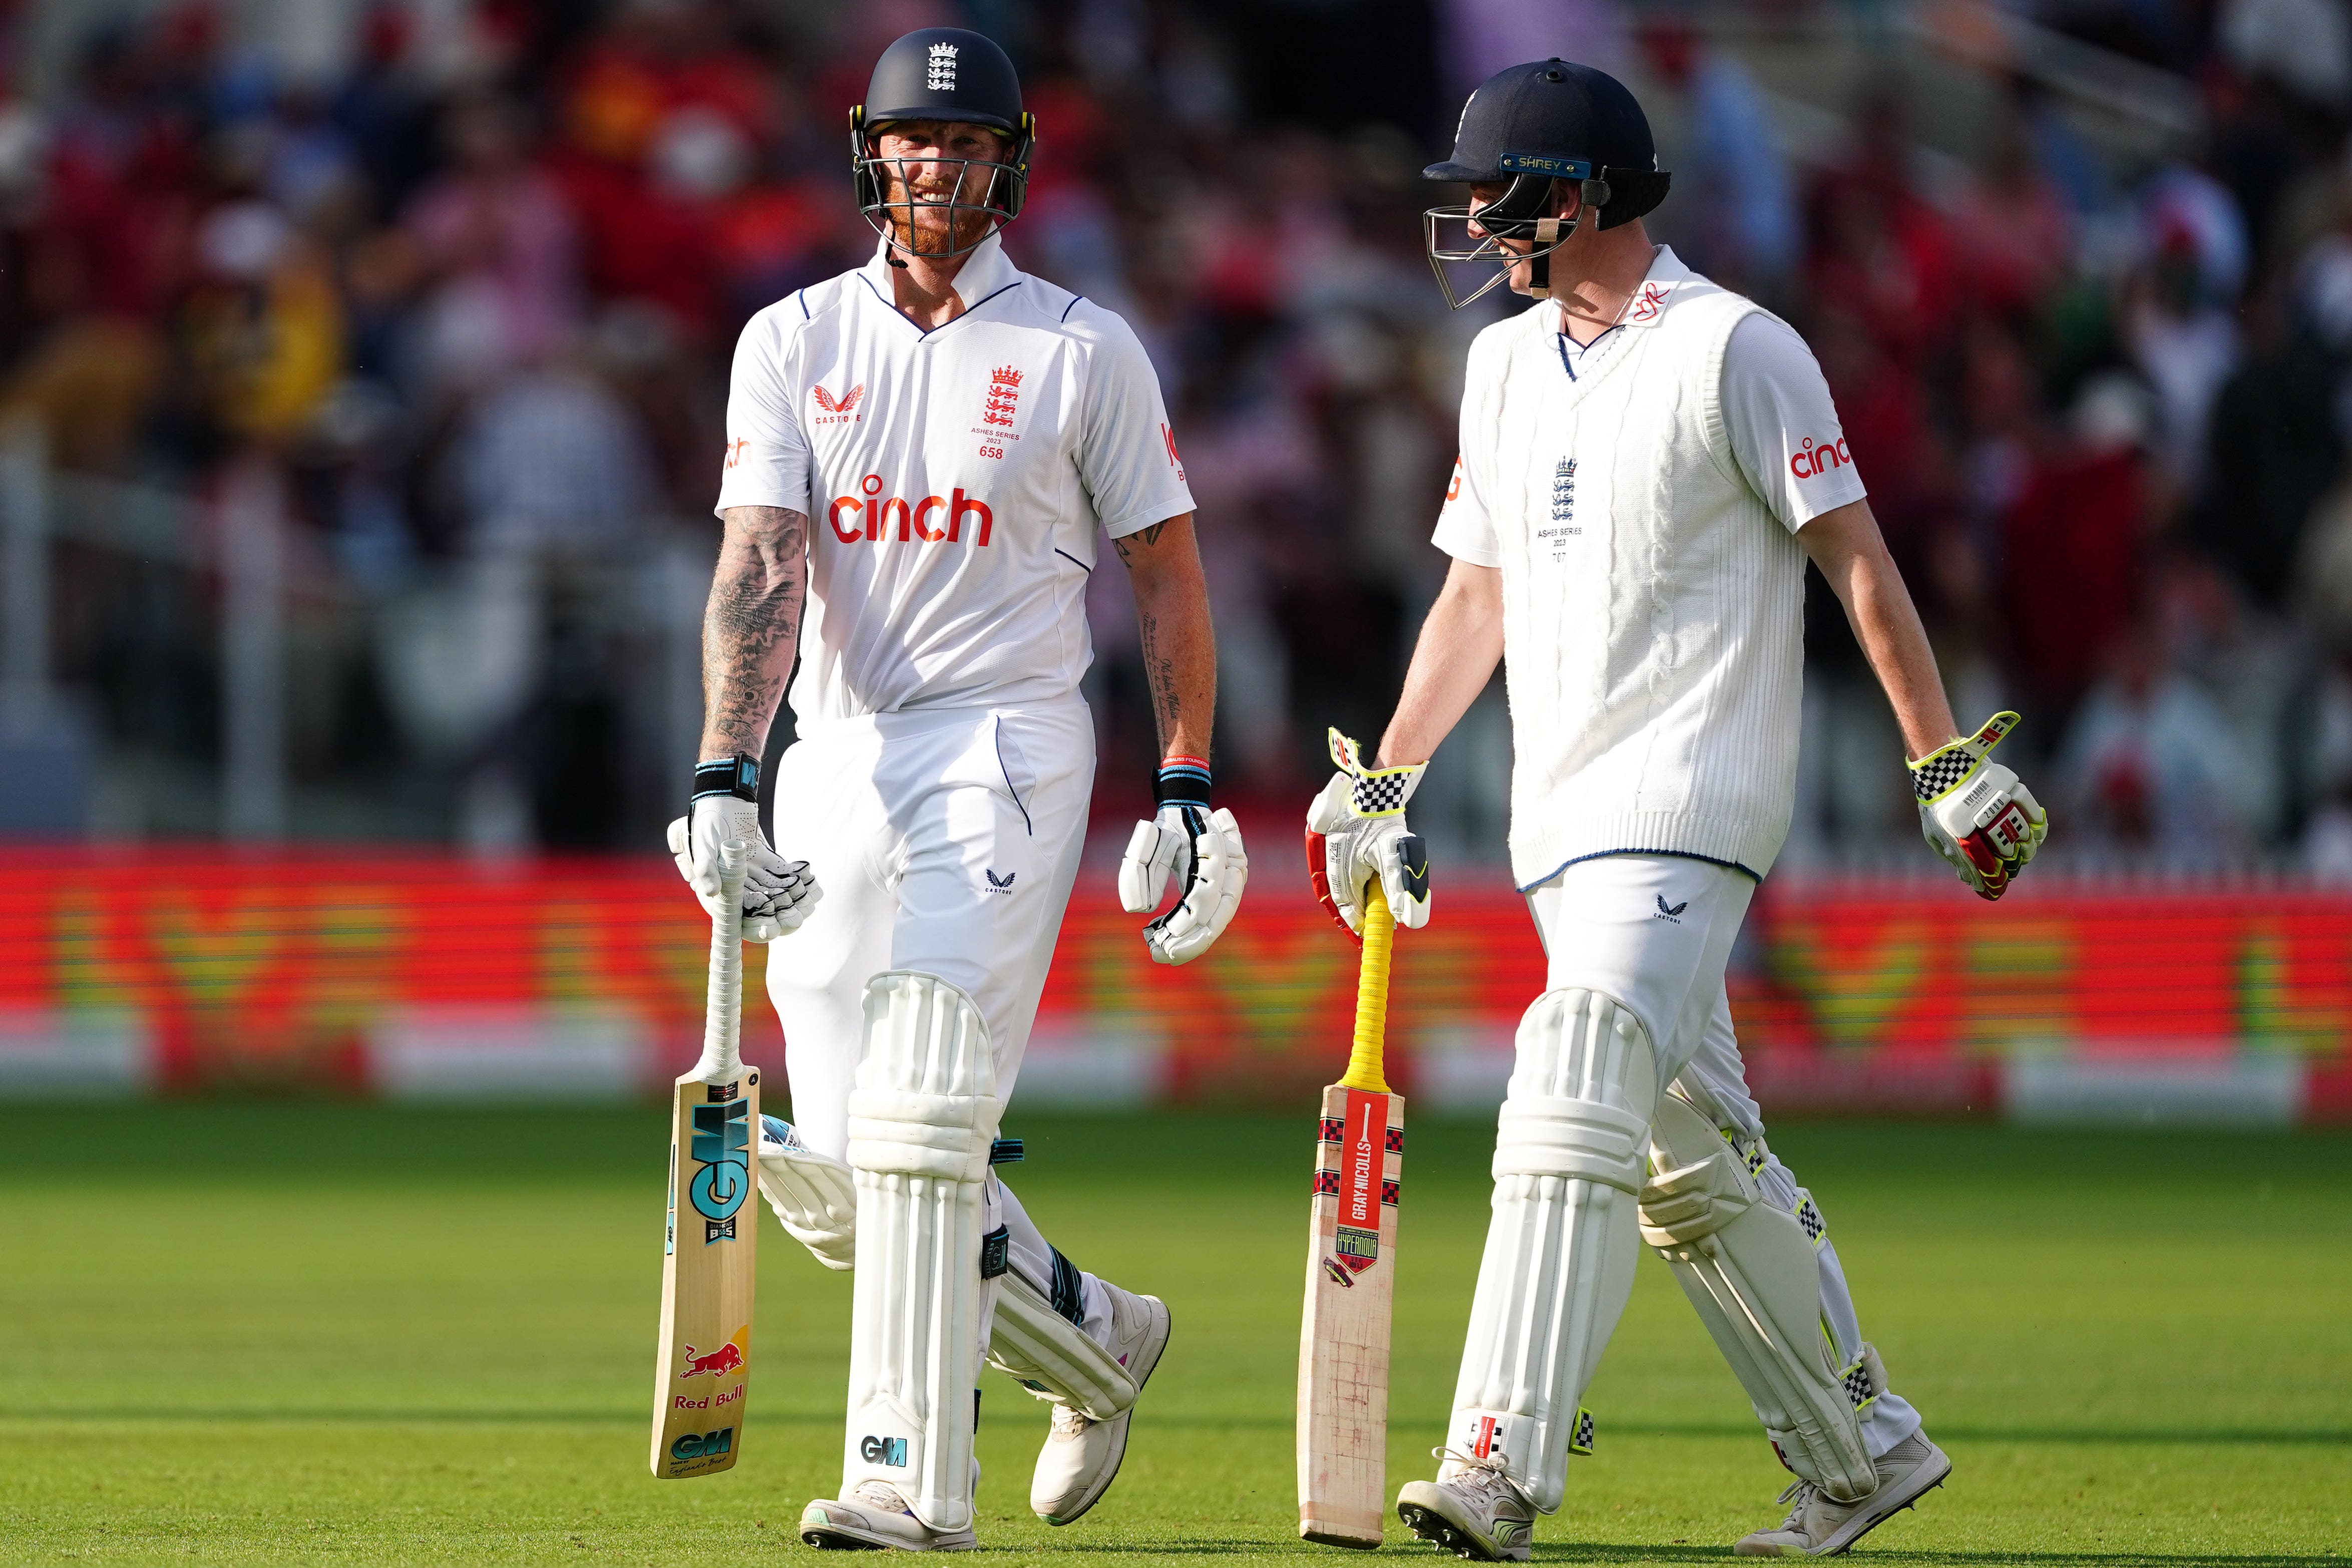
x=1343, y=1348
x=711, y=1241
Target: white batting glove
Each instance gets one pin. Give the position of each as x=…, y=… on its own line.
x=1201, y=849
x=778, y=894
x=1975, y=813
x=1356, y=832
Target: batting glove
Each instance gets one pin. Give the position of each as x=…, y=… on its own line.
x=778, y=894
x=1201, y=849
x=1356, y=832
x=1974, y=811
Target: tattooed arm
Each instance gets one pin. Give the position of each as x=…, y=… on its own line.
x=1179, y=649
x=751, y=626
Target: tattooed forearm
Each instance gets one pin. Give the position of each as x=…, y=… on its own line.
x=1180, y=647
x=1160, y=673
x=750, y=627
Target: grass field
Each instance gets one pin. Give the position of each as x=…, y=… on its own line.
x=241, y=1333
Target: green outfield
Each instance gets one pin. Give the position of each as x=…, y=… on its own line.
x=317, y=1333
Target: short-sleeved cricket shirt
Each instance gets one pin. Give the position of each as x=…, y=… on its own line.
x=954, y=479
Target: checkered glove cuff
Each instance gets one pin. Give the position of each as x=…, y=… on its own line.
x=1948, y=767
x=1375, y=792
x=1938, y=773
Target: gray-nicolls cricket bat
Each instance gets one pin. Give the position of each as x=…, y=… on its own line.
x=711, y=1241
x=1343, y=1347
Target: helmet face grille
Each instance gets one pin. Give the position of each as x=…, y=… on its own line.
x=892, y=215
x=1522, y=214
x=941, y=75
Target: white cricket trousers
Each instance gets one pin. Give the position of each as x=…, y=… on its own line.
x=1655, y=933
x=946, y=841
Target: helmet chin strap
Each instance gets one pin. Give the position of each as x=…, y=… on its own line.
x=1539, y=264
x=1550, y=234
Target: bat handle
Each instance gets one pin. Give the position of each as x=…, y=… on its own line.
x=1365, y=1067
x=722, y=1049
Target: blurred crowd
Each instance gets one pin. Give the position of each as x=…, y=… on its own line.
x=472, y=287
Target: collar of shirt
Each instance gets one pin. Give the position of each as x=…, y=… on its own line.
x=986, y=271
x=1645, y=308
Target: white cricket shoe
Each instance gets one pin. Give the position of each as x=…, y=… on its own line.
x=1081, y=1457
x=1821, y=1526
x=1475, y=1512
x=875, y=1516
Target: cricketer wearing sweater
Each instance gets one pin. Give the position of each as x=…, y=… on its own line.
x=1648, y=461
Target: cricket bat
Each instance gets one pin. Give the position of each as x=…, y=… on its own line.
x=711, y=1240
x=1343, y=1347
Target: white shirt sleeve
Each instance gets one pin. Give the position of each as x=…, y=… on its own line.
x=1126, y=450
x=767, y=452
x=1465, y=527
x=1782, y=423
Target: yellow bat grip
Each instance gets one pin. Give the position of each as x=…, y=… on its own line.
x=1364, y=1066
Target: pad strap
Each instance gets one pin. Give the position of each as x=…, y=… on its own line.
x=1053, y=1357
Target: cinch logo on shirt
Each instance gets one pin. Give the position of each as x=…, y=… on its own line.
x=840, y=410
x=908, y=518
x=1455, y=488
x=1168, y=435
x=1815, y=461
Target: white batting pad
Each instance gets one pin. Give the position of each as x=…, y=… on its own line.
x=922, y=1118
x=1053, y=1355
x=813, y=1195
x=1749, y=1268
x=1560, y=1248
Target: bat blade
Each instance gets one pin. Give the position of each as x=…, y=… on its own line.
x=711, y=1243
x=702, y=1362
x=1343, y=1354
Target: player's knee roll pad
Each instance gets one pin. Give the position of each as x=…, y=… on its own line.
x=1579, y=1101
x=814, y=1197
x=922, y=1119
x=1560, y=1248
x=1051, y=1355
x=1749, y=1269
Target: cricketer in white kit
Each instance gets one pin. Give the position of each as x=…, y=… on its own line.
x=1647, y=462
x=929, y=447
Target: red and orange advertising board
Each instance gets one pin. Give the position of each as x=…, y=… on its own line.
x=194, y=969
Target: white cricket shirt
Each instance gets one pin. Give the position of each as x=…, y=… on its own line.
x=1641, y=498
x=954, y=480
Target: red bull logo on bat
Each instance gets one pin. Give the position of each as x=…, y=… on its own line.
x=730, y=1357
x=719, y=1398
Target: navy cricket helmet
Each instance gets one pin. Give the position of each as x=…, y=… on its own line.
x=944, y=74
x=1526, y=127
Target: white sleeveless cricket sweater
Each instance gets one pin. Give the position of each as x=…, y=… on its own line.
x=1652, y=605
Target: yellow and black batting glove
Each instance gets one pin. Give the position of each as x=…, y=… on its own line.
x=1975, y=812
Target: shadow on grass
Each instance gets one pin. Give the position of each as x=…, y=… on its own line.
x=1597, y=1552
x=426, y=1415
x=1644, y=1552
